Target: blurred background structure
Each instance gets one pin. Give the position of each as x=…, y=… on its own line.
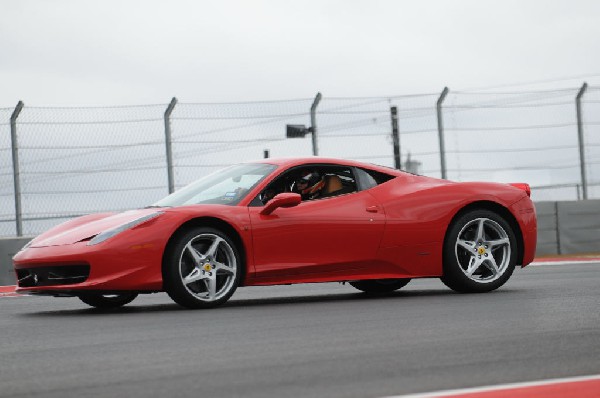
x=60, y=162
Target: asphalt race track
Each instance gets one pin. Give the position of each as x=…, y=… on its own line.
x=323, y=340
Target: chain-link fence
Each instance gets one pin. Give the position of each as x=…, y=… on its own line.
x=207, y=137
x=7, y=193
x=74, y=161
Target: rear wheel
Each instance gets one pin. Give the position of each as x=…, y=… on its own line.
x=202, y=269
x=107, y=300
x=480, y=252
x=379, y=286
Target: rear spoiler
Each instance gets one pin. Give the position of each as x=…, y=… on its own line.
x=521, y=185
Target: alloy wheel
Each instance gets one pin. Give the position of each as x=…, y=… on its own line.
x=208, y=267
x=483, y=250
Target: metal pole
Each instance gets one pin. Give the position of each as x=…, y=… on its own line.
x=396, y=138
x=557, y=228
x=441, y=131
x=168, y=112
x=313, y=123
x=15, y=159
x=581, y=144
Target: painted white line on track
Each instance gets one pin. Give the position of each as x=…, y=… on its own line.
x=499, y=387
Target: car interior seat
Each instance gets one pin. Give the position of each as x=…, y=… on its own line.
x=333, y=184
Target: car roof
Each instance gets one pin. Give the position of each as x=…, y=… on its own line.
x=291, y=162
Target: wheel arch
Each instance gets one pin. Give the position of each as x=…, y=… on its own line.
x=500, y=210
x=211, y=222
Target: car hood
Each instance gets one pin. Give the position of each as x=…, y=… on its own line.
x=86, y=227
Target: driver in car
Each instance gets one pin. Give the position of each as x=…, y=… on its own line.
x=310, y=185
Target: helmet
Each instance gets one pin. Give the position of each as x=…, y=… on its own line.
x=314, y=183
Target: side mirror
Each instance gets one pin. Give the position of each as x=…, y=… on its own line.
x=287, y=199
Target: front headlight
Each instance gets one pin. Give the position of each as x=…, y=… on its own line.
x=102, y=236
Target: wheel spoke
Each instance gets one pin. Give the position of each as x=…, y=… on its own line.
x=224, y=268
x=473, y=265
x=492, y=265
x=212, y=250
x=495, y=244
x=211, y=284
x=480, y=230
x=467, y=245
x=196, y=255
x=193, y=276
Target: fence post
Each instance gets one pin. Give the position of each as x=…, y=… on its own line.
x=168, y=112
x=313, y=123
x=557, y=228
x=581, y=144
x=15, y=158
x=441, y=131
x=396, y=138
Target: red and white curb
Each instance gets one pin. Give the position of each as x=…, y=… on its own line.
x=8, y=291
x=580, y=387
x=565, y=261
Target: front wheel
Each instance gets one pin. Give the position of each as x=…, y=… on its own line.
x=106, y=301
x=480, y=252
x=202, y=268
x=379, y=286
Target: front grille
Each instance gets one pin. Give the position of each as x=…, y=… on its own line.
x=53, y=275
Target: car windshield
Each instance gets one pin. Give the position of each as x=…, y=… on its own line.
x=226, y=187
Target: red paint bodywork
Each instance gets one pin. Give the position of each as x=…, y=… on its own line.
x=394, y=230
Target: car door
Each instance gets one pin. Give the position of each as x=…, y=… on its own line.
x=326, y=237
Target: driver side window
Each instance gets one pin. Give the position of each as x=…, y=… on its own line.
x=312, y=182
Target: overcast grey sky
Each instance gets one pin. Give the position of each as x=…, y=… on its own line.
x=74, y=52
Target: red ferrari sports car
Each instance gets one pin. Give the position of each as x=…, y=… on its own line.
x=283, y=221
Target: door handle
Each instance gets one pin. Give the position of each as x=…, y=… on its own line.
x=373, y=209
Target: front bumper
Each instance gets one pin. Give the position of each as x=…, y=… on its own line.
x=113, y=266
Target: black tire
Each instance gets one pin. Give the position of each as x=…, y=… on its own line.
x=480, y=252
x=202, y=268
x=106, y=301
x=379, y=286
